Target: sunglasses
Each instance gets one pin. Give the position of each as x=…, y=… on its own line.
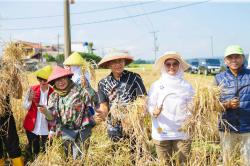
x=41, y=79
x=174, y=64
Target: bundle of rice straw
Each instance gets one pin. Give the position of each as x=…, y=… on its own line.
x=87, y=67
x=10, y=73
x=203, y=122
x=54, y=155
x=135, y=126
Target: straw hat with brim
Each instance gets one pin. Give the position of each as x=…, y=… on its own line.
x=170, y=55
x=114, y=56
x=233, y=49
x=59, y=72
x=44, y=72
x=74, y=59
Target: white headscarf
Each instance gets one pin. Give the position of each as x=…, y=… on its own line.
x=76, y=78
x=174, y=95
x=176, y=83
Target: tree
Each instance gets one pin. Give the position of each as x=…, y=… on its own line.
x=90, y=47
x=141, y=61
x=60, y=58
x=90, y=57
x=49, y=58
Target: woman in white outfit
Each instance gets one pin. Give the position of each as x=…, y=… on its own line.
x=169, y=104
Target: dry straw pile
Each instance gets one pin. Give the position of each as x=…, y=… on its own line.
x=11, y=74
x=202, y=124
x=136, y=125
x=89, y=68
x=104, y=152
x=202, y=128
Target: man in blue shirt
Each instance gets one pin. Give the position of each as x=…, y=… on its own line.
x=234, y=125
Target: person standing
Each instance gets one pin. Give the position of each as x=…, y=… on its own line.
x=10, y=87
x=68, y=111
x=77, y=65
x=119, y=87
x=35, y=122
x=169, y=104
x=234, y=125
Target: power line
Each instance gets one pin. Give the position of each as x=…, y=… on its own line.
x=125, y=43
x=108, y=20
x=77, y=13
x=134, y=22
x=148, y=18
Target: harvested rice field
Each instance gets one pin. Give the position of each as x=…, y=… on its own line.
x=202, y=128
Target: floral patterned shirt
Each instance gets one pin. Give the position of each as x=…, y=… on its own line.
x=70, y=111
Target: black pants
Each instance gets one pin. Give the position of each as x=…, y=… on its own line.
x=36, y=142
x=8, y=136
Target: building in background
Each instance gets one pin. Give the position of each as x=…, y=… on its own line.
x=86, y=47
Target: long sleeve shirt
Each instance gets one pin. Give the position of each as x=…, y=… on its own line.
x=174, y=112
x=70, y=111
x=41, y=125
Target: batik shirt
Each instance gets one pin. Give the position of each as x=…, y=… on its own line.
x=70, y=111
x=121, y=91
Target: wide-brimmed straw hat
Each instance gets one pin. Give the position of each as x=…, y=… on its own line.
x=59, y=72
x=75, y=59
x=171, y=55
x=114, y=56
x=44, y=72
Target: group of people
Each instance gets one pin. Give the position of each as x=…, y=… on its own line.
x=65, y=104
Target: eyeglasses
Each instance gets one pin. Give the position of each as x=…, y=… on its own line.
x=168, y=64
x=41, y=79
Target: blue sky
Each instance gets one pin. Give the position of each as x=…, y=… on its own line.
x=188, y=30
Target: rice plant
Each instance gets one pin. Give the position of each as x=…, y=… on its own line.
x=201, y=126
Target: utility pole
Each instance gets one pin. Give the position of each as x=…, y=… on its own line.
x=41, y=51
x=67, y=38
x=156, y=48
x=58, y=37
x=212, y=45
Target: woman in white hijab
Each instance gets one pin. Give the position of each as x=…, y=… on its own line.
x=170, y=100
x=74, y=63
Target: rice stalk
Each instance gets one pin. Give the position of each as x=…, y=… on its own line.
x=88, y=67
x=53, y=156
x=204, y=152
x=11, y=75
x=136, y=127
x=203, y=122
